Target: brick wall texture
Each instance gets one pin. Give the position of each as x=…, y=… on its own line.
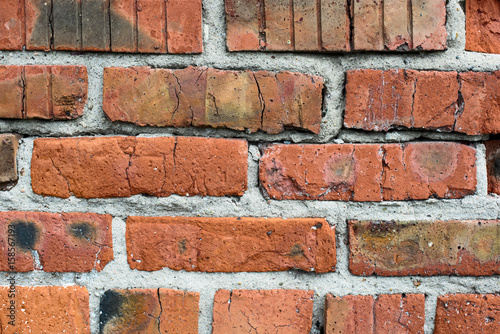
x=249, y=166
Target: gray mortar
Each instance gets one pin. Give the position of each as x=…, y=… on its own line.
x=332, y=67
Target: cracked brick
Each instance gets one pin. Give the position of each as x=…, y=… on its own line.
x=65, y=242
x=403, y=248
x=482, y=32
x=230, y=244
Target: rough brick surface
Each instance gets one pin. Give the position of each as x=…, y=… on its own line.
x=144, y=26
x=385, y=314
x=230, y=244
x=124, y=166
x=9, y=144
x=368, y=172
x=65, y=242
x=467, y=313
x=482, y=28
x=282, y=25
x=262, y=311
x=151, y=311
x=493, y=165
x=45, y=92
x=389, y=248
x=46, y=309
x=202, y=97
x=445, y=101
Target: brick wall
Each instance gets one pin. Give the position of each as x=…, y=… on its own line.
x=249, y=166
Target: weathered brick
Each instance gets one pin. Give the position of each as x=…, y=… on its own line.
x=9, y=144
x=262, y=311
x=46, y=92
x=101, y=167
x=201, y=97
x=151, y=26
x=467, y=313
x=368, y=172
x=152, y=311
x=46, y=309
x=493, y=165
x=11, y=25
x=184, y=26
x=401, y=248
x=329, y=26
x=446, y=101
x=385, y=314
x=38, y=28
x=65, y=242
x=95, y=25
x=230, y=244
x=67, y=29
x=482, y=33
x=123, y=28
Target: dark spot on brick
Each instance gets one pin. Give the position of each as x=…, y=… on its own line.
x=26, y=234
x=110, y=307
x=83, y=231
x=182, y=246
x=318, y=225
x=495, y=167
x=296, y=250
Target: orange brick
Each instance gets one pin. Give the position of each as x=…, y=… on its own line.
x=184, y=33
x=9, y=144
x=262, y=311
x=230, y=244
x=481, y=26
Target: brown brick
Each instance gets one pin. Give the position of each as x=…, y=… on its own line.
x=493, y=166
x=38, y=29
x=151, y=311
x=95, y=25
x=101, y=167
x=481, y=26
x=467, y=313
x=279, y=25
x=230, y=244
x=305, y=17
x=368, y=172
x=335, y=26
x=9, y=144
x=49, y=92
x=447, y=101
x=67, y=31
x=46, y=309
x=401, y=248
x=201, y=97
x=151, y=26
x=65, y=242
x=123, y=21
x=385, y=314
x=184, y=20
x=242, y=21
x=429, y=24
x=262, y=311
x=11, y=25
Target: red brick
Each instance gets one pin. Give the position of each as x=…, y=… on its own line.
x=9, y=144
x=305, y=17
x=242, y=21
x=184, y=33
x=447, y=101
x=149, y=311
x=368, y=172
x=493, y=166
x=401, y=248
x=123, y=28
x=279, y=25
x=467, y=313
x=201, y=97
x=151, y=26
x=429, y=24
x=385, y=314
x=368, y=25
x=101, y=167
x=335, y=26
x=46, y=92
x=11, y=25
x=230, y=244
x=397, y=35
x=262, y=311
x=65, y=242
x=482, y=31
x=46, y=309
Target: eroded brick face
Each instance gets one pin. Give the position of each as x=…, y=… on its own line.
x=262, y=311
x=151, y=311
x=467, y=313
x=432, y=100
x=404, y=314
x=206, y=97
x=65, y=242
x=230, y=244
x=482, y=30
x=144, y=26
x=9, y=144
x=46, y=309
x=44, y=92
x=368, y=172
x=400, y=248
x=332, y=26
x=103, y=167
x=493, y=165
